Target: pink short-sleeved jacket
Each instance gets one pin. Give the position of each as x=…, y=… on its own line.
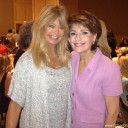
x=100, y=78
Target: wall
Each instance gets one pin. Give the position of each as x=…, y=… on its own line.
x=37, y=6
x=113, y=12
x=6, y=16
x=22, y=12
x=71, y=5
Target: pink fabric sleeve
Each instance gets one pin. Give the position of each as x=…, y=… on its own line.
x=112, y=85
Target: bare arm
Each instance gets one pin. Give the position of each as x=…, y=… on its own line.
x=112, y=104
x=7, y=82
x=13, y=115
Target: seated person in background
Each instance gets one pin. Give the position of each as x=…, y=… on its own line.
x=5, y=78
x=123, y=62
x=9, y=35
x=15, y=37
x=3, y=48
x=12, y=49
x=112, y=43
x=2, y=39
x=124, y=42
x=121, y=50
x=25, y=37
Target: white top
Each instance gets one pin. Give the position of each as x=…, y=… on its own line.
x=43, y=94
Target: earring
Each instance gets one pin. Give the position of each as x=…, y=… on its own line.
x=94, y=40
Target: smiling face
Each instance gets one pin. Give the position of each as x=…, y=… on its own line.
x=53, y=32
x=81, y=39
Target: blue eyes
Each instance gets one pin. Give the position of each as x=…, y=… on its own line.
x=81, y=33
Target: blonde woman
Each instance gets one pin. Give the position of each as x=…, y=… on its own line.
x=102, y=42
x=41, y=79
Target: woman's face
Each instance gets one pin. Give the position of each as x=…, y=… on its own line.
x=80, y=38
x=53, y=32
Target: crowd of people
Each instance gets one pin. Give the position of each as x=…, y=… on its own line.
x=9, y=42
x=64, y=74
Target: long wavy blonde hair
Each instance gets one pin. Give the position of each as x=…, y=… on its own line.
x=39, y=45
x=103, y=42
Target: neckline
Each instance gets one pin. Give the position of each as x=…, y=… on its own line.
x=55, y=68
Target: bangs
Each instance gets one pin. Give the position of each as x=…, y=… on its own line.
x=62, y=22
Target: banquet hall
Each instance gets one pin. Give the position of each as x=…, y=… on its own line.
x=14, y=13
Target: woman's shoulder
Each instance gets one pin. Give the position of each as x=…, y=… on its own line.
x=25, y=61
x=109, y=62
x=110, y=68
x=26, y=57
